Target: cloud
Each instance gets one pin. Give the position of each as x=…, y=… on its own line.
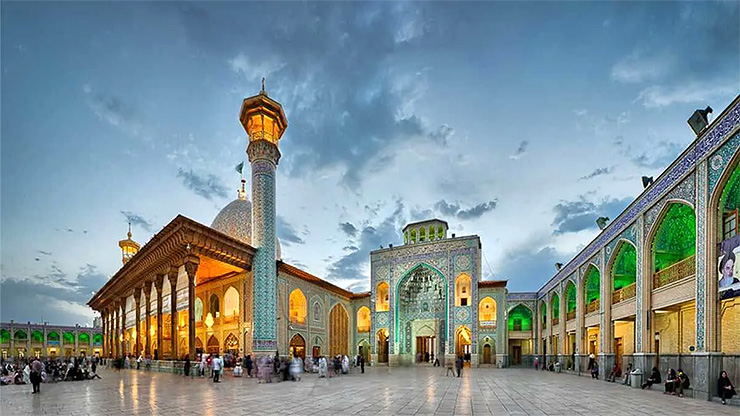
x=454, y=210
x=698, y=92
x=598, y=172
x=529, y=265
x=353, y=265
x=113, y=110
x=56, y=297
x=640, y=66
x=46, y=253
x=208, y=186
x=286, y=233
x=137, y=220
x=521, y=151
x=348, y=228
x=574, y=216
x=254, y=70
x=662, y=153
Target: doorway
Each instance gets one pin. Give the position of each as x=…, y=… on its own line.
x=425, y=348
x=487, y=354
x=382, y=346
x=516, y=355
x=618, y=351
x=298, y=346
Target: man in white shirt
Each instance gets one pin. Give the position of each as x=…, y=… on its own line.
x=216, y=364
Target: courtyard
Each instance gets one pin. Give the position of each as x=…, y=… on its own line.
x=402, y=391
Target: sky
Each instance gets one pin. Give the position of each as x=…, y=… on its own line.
x=518, y=122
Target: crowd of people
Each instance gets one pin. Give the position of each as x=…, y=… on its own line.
x=35, y=371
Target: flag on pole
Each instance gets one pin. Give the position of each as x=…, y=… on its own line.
x=240, y=167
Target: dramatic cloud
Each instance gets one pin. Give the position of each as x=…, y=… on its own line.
x=453, y=209
x=348, y=229
x=598, y=172
x=208, y=186
x=699, y=93
x=371, y=237
x=574, y=216
x=137, y=220
x=529, y=263
x=46, y=253
x=286, y=233
x=639, y=67
x=56, y=297
x=521, y=151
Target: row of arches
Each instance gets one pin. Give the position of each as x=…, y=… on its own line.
x=298, y=311
x=53, y=336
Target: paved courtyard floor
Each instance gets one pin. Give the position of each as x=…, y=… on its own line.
x=396, y=391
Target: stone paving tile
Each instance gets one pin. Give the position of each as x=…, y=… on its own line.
x=381, y=391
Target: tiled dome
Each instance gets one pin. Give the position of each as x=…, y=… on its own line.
x=235, y=220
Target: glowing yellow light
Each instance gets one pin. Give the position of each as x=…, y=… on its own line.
x=209, y=320
x=133, y=333
x=152, y=330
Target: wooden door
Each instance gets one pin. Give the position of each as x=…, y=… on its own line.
x=486, y=354
x=517, y=359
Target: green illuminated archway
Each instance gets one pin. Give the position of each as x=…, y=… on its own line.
x=555, y=307
x=52, y=336
x=98, y=339
x=69, y=338
x=21, y=335
x=675, y=238
x=83, y=338
x=591, y=285
x=4, y=335
x=37, y=336
x=543, y=313
x=624, y=268
x=520, y=318
x=570, y=297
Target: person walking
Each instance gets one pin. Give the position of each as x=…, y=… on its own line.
x=459, y=365
x=216, y=365
x=362, y=364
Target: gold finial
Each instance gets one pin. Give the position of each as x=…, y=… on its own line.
x=243, y=192
x=129, y=229
x=263, y=87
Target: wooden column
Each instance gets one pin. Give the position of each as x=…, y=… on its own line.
x=122, y=336
x=148, y=321
x=137, y=322
x=191, y=267
x=158, y=284
x=116, y=332
x=172, y=277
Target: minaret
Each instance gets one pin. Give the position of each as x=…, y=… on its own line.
x=264, y=121
x=128, y=246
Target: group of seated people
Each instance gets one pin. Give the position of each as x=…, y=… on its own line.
x=75, y=368
x=677, y=381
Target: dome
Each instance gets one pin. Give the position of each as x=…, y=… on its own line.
x=235, y=220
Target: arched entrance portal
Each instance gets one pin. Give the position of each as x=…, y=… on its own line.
x=382, y=348
x=487, y=354
x=338, y=331
x=213, y=345
x=462, y=342
x=298, y=346
x=231, y=344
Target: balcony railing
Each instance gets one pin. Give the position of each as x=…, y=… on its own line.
x=625, y=293
x=593, y=306
x=570, y=315
x=675, y=272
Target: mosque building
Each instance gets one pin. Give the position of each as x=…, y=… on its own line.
x=657, y=286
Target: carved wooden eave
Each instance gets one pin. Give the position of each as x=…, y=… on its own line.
x=168, y=248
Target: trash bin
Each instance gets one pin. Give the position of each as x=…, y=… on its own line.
x=636, y=378
x=557, y=367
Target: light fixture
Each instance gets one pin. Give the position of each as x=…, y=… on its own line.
x=657, y=336
x=558, y=266
x=646, y=181
x=601, y=222
x=209, y=320
x=699, y=120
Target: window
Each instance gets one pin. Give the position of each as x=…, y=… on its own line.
x=422, y=234
x=729, y=225
x=363, y=319
x=297, y=307
x=462, y=290
x=382, y=301
x=316, y=311
x=487, y=312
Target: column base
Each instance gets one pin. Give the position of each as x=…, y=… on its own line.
x=606, y=363
x=707, y=366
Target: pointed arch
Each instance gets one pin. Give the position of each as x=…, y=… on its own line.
x=487, y=312
x=382, y=297
x=20, y=335
x=231, y=302
x=231, y=344
x=68, y=337
x=673, y=244
x=37, y=336
x=53, y=336
x=570, y=300
x=555, y=303
x=213, y=346
x=520, y=318
x=463, y=340
x=98, y=339
x=363, y=319
x=592, y=288
x=198, y=309
x=543, y=314
x=83, y=338
x=4, y=336
x=214, y=306
x=463, y=289
x=298, y=346
x=338, y=330
x=623, y=271
x=408, y=275
x=297, y=306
